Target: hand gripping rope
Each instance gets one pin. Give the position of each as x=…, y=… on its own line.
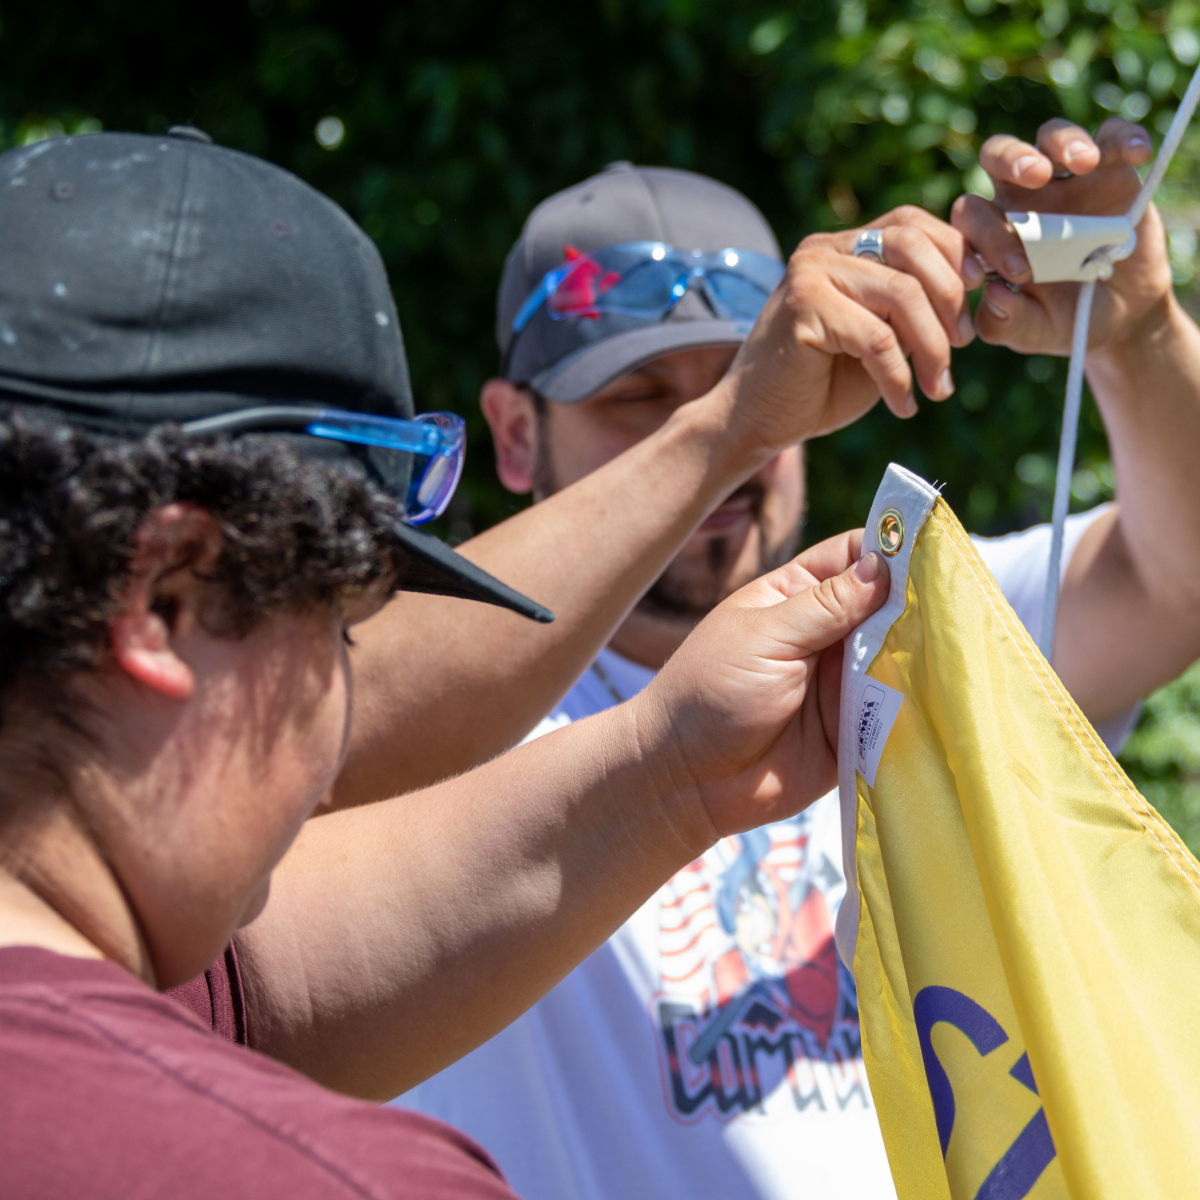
x=1064, y=247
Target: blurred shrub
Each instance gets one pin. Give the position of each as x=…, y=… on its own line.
x=440, y=123
x=1163, y=755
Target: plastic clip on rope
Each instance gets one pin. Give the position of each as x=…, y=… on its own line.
x=1046, y=236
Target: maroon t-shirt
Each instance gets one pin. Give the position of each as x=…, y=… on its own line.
x=112, y=1091
x=216, y=997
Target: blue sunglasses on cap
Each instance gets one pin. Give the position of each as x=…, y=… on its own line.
x=420, y=460
x=647, y=279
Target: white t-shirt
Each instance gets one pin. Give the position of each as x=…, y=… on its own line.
x=710, y=1048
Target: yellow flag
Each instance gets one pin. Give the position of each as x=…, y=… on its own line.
x=1024, y=928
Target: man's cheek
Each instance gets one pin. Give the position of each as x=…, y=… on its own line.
x=749, y=562
x=577, y=448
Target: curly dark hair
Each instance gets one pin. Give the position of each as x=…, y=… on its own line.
x=297, y=533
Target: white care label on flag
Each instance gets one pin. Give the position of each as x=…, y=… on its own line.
x=878, y=706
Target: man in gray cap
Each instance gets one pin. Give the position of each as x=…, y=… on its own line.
x=831, y=341
x=711, y=1047
x=613, y=361
x=620, y=1082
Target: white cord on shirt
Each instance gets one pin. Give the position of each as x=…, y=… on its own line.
x=1079, y=341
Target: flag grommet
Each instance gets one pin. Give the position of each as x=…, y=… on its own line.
x=889, y=533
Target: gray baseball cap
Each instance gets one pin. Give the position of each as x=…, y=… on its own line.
x=570, y=360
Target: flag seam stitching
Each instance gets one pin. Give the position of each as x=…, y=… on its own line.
x=1102, y=765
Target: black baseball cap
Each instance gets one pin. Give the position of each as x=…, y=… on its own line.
x=571, y=360
x=148, y=279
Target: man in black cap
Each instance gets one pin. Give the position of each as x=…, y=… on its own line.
x=711, y=1048
x=118, y=314
x=209, y=471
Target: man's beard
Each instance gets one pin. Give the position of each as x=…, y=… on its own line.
x=676, y=597
x=672, y=597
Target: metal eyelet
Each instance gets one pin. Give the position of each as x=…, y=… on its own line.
x=889, y=533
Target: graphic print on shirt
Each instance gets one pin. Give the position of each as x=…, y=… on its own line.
x=755, y=1013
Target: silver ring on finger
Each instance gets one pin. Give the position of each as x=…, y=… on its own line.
x=870, y=245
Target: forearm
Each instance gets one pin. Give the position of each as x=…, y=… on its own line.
x=1148, y=391
x=400, y=935
x=442, y=685
x=1131, y=604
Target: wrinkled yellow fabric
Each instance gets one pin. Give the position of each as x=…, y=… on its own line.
x=1004, y=857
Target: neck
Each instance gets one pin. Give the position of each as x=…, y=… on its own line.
x=648, y=639
x=57, y=891
x=27, y=920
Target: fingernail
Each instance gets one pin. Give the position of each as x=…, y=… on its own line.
x=994, y=308
x=1016, y=264
x=1137, y=141
x=867, y=567
x=910, y=407
x=946, y=384
x=966, y=330
x=1073, y=151
x=972, y=273
x=1024, y=163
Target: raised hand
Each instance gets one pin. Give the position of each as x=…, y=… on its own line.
x=1070, y=172
x=746, y=712
x=838, y=331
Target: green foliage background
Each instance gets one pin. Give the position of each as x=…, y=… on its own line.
x=456, y=116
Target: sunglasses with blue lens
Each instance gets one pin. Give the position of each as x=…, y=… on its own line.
x=647, y=279
x=420, y=460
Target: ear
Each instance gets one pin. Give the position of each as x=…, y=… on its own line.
x=514, y=424
x=163, y=598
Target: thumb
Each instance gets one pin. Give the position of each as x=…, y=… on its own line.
x=820, y=616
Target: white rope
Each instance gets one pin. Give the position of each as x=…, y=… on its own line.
x=1066, y=461
x=1079, y=341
